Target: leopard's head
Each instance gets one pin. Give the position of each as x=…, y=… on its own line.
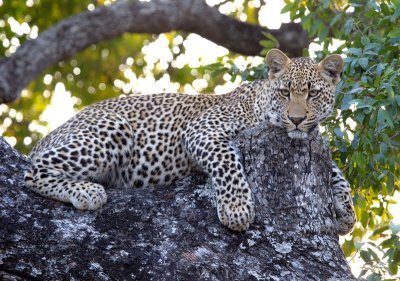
x=299, y=93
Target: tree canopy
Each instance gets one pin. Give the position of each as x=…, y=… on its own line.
x=48, y=45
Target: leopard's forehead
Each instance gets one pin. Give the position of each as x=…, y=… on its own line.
x=303, y=61
x=302, y=68
x=302, y=71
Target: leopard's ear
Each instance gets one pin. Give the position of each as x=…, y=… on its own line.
x=278, y=63
x=331, y=67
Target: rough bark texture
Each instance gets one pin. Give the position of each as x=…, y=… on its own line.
x=172, y=233
x=78, y=32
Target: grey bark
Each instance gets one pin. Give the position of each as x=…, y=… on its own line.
x=76, y=33
x=173, y=233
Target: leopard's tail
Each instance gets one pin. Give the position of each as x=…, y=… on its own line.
x=28, y=178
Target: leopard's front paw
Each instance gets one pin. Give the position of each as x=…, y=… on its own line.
x=89, y=196
x=237, y=216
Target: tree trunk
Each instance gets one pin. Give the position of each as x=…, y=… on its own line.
x=173, y=233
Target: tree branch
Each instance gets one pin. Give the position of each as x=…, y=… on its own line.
x=173, y=233
x=78, y=32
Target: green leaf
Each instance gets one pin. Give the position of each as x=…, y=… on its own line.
x=219, y=72
x=365, y=40
x=359, y=116
x=267, y=44
x=385, y=9
x=385, y=118
x=355, y=90
x=326, y=3
x=394, y=262
x=355, y=51
x=289, y=7
x=348, y=248
x=379, y=68
x=346, y=101
x=394, y=33
x=359, y=159
x=374, y=277
x=340, y=145
x=380, y=230
x=393, y=267
x=388, y=242
x=363, y=62
x=338, y=132
x=364, y=218
x=383, y=148
x=270, y=37
x=366, y=256
x=360, y=103
x=396, y=255
x=395, y=15
x=323, y=34
x=335, y=19
x=373, y=255
x=390, y=183
x=348, y=26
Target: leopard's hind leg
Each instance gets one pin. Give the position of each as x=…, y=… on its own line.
x=53, y=184
x=74, y=162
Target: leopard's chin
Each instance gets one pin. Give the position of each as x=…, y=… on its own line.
x=297, y=134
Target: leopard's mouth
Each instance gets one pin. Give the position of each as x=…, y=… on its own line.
x=297, y=134
x=300, y=134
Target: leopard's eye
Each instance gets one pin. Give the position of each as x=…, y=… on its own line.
x=314, y=93
x=284, y=93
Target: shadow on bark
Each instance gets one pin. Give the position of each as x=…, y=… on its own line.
x=173, y=233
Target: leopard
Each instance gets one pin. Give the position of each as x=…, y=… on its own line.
x=154, y=140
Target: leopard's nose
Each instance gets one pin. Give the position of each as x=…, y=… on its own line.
x=297, y=120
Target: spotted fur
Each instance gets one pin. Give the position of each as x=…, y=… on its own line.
x=343, y=202
x=154, y=140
